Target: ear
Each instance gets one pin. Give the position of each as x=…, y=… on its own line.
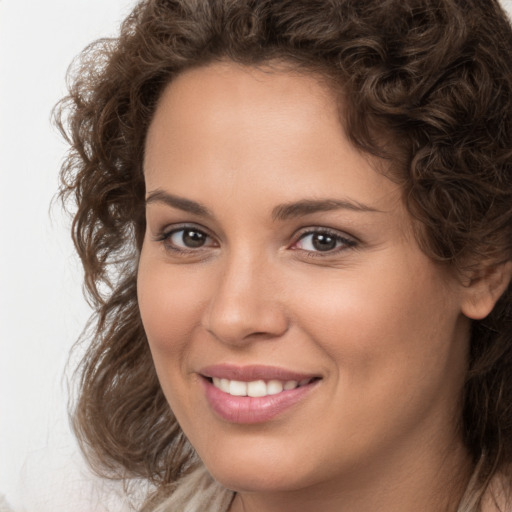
x=482, y=292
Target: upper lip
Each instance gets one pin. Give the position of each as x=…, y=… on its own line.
x=253, y=372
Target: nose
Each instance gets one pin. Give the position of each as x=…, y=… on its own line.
x=244, y=306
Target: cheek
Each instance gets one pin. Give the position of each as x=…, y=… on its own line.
x=397, y=353
x=387, y=328
x=170, y=303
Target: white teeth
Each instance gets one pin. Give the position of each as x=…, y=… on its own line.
x=237, y=388
x=274, y=387
x=256, y=388
x=290, y=384
x=224, y=385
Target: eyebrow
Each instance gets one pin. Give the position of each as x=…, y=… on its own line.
x=309, y=206
x=160, y=196
x=279, y=213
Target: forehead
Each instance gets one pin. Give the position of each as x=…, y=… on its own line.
x=224, y=97
x=241, y=83
x=274, y=132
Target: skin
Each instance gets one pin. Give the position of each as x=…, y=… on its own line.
x=384, y=326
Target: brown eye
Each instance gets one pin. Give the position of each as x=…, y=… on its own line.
x=188, y=238
x=323, y=241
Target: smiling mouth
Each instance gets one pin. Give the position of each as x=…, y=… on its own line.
x=255, y=401
x=257, y=388
x=253, y=394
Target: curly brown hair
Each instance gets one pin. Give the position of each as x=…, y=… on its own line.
x=434, y=75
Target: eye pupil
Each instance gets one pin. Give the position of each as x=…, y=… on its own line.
x=322, y=242
x=193, y=239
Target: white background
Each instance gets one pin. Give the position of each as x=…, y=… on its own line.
x=42, y=310
x=41, y=307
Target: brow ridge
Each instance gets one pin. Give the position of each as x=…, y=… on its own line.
x=279, y=213
x=310, y=206
x=187, y=205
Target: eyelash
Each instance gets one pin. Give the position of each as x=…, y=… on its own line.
x=165, y=238
x=342, y=242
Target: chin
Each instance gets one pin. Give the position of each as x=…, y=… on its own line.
x=255, y=472
x=251, y=480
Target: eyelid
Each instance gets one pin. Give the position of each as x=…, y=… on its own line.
x=348, y=241
x=164, y=235
x=168, y=229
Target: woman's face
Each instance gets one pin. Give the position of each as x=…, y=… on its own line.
x=279, y=264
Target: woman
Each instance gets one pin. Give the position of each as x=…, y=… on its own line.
x=295, y=224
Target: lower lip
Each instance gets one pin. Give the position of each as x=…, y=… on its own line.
x=246, y=409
